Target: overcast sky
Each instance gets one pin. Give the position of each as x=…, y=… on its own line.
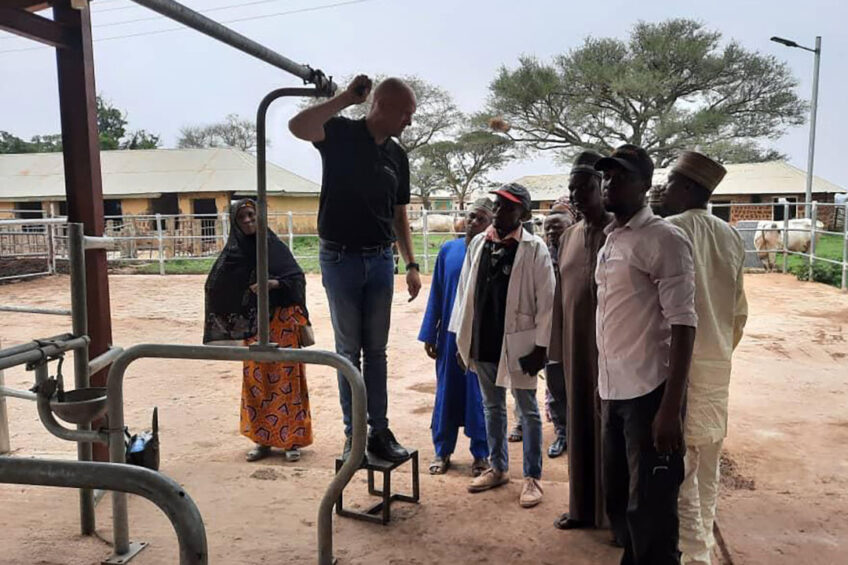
x=168, y=80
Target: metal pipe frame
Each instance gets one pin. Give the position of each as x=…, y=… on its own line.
x=102, y=361
x=43, y=352
x=188, y=17
x=15, y=393
x=157, y=488
x=30, y=310
x=79, y=325
x=262, y=203
x=30, y=345
x=115, y=399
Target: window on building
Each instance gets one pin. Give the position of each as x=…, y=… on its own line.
x=721, y=209
x=113, y=213
x=168, y=205
x=29, y=211
x=208, y=211
x=777, y=209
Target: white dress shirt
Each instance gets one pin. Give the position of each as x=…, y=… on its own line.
x=646, y=284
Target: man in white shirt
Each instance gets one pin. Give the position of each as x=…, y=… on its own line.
x=645, y=331
x=722, y=309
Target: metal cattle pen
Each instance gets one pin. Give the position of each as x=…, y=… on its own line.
x=190, y=533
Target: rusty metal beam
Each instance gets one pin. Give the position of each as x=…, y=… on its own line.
x=83, y=183
x=38, y=28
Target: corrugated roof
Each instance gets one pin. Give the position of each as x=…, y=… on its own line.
x=772, y=177
x=148, y=173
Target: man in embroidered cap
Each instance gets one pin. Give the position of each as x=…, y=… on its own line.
x=573, y=343
x=458, y=401
x=722, y=310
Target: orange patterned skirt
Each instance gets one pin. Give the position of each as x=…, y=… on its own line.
x=274, y=400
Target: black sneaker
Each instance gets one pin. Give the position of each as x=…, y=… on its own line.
x=383, y=444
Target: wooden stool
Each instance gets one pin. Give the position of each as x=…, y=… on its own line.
x=380, y=513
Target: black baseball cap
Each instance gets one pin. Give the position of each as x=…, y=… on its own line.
x=514, y=192
x=585, y=162
x=629, y=157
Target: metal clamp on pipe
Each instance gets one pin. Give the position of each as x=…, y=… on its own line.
x=92, y=242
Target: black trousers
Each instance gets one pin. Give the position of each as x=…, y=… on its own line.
x=640, y=485
x=557, y=405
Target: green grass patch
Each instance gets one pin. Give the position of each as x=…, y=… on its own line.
x=828, y=247
x=305, y=248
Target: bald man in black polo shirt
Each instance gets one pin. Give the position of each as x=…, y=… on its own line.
x=362, y=212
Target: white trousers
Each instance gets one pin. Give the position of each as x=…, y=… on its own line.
x=697, y=503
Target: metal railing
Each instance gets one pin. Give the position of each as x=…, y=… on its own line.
x=799, y=237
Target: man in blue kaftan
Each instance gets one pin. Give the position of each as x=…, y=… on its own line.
x=458, y=401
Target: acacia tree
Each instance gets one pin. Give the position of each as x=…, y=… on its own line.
x=233, y=131
x=462, y=164
x=672, y=86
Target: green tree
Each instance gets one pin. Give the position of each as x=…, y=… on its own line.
x=673, y=85
x=111, y=124
x=112, y=129
x=462, y=164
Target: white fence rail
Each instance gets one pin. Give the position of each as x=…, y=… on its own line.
x=161, y=238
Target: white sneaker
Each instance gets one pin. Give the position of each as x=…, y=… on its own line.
x=488, y=480
x=531, y=493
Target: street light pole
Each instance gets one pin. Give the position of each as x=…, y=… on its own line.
x=813, y=107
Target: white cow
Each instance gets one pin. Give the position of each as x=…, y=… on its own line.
x=798, y=234
x=442, y=223
x=767, y=239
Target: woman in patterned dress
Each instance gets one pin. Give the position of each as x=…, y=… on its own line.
x=274, y=399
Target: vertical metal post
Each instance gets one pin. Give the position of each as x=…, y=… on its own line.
x=813, y=108
x=51, y=243
x=710, y=208
x=426, y=241
x=161, y=244
x=225, y=227
x=785, y=235
x=291, y=231
x=262, y=204
x=844, y=246
x=79, y=321
x=812, y=250
x=5, y=445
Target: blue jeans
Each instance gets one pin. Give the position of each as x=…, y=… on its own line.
x=359, y=289
x=494, y=408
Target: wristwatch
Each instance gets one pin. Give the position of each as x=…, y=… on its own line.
x=410, y=266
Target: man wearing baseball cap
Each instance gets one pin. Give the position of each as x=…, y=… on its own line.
x=502, y=322
x=722, y=312
x=645, y=331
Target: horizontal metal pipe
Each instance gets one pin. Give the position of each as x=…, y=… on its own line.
x=50, y=350
x=15, y=393
x=104, y=360
x=23, y=347
x=33, y=222
x=186, y=16
x=157, y=488
x=29, y=310
x=91, y=242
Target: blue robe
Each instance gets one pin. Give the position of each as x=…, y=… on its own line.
x=458, y=401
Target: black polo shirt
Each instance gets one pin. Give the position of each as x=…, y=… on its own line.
x=361, y=185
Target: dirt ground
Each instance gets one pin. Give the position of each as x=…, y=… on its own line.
x=786, y=484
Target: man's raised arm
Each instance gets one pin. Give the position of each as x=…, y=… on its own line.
x=308, y=125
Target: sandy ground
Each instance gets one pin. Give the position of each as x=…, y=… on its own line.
x=785, y=499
